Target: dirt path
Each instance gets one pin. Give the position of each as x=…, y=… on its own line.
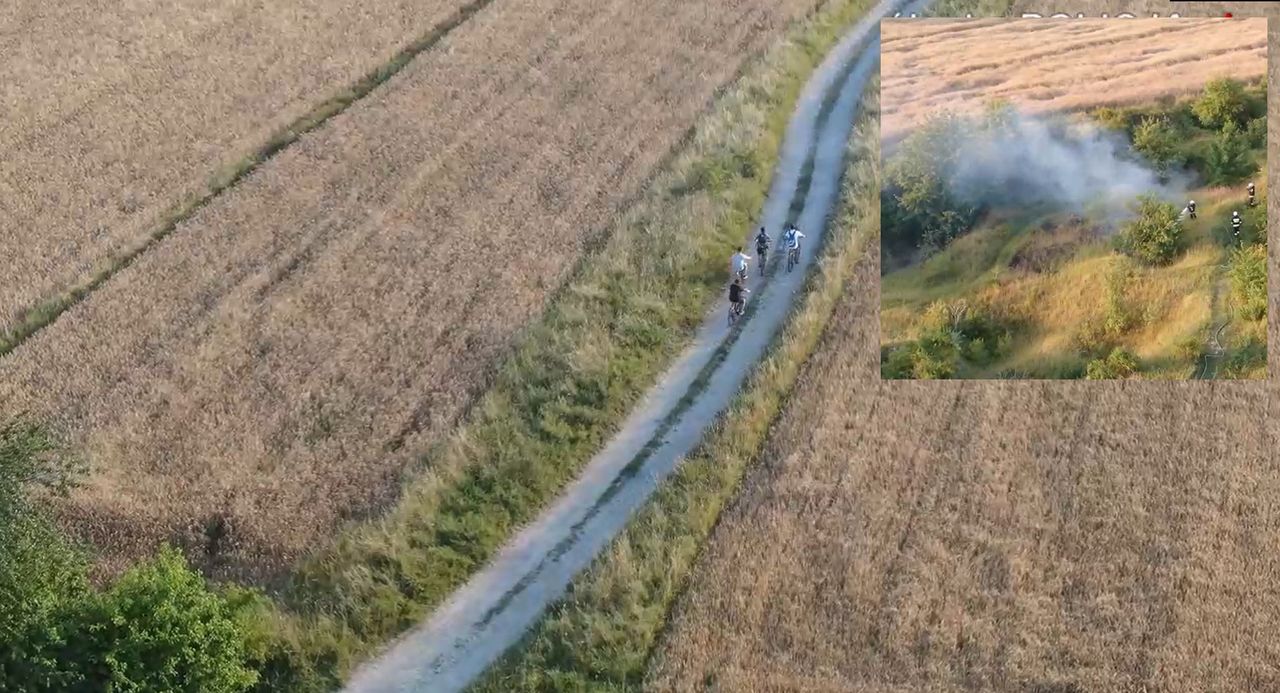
x=493, y=610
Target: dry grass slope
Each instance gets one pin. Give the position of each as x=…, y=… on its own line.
x=1047, y=65
x=273, y=367
x=115, y=113
x=1007, y=536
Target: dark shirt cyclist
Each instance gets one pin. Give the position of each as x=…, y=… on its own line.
x=738, y=294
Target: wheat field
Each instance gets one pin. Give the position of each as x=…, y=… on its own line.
x=995, y=536
x=115, y=112
x=273, y=368
x=1011, y=536
x=1055, y=65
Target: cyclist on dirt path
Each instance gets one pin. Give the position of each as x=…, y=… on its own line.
x=738, y=295
x=762, y=242
x=1236, y=222
x=792, y=237
x=1252, y=199
x=1191, y=209
x=738, y=264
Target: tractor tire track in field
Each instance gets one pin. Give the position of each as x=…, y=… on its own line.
x=491, y=612
x=46, y=314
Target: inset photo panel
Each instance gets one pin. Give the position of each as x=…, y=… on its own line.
x=1074, y=198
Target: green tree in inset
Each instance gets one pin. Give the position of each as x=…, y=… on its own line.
x=1228, y=158
x=1222, y=102
x=1156, y=139
x=917, y=177
x=1155, y=236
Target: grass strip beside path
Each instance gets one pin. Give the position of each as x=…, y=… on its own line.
x=600, y=636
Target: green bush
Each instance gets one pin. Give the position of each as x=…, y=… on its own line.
x=924, y=212
x=936, y=358
x=1120, y=363
x=1248, y=271
x=1255, y=132
x=1221, y=102
x=1155, y=236
x=158, y=628
x=1157, y=140
x=952, y=332
x=933, y=356
x=1228, y=160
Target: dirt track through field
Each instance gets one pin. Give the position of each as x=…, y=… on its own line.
x=491, y=612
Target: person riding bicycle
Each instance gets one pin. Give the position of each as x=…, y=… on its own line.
x=738, y=295
x=792, y=238
x=1252, y=192
x=762, y=242
x=1191, y=209
x=738, y=263
x=1236, y=222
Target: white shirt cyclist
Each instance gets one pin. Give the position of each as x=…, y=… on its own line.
x=793, y=239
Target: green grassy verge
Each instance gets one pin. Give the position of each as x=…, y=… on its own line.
x=600, y=636
x=38, y=317
x=630, y=308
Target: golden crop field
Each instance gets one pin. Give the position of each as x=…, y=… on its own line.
x=1012, y=536
x=273, y=367
x=1054, y=65
x=1002, y=536
x=115, y=112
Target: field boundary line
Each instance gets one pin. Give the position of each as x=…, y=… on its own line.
x=225, y=179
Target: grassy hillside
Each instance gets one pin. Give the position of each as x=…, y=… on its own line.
x=1045, y=292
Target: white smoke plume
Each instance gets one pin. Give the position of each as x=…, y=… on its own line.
x=1074, y=166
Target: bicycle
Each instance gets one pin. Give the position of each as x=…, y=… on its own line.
x=793, y=257
x=736, y=310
